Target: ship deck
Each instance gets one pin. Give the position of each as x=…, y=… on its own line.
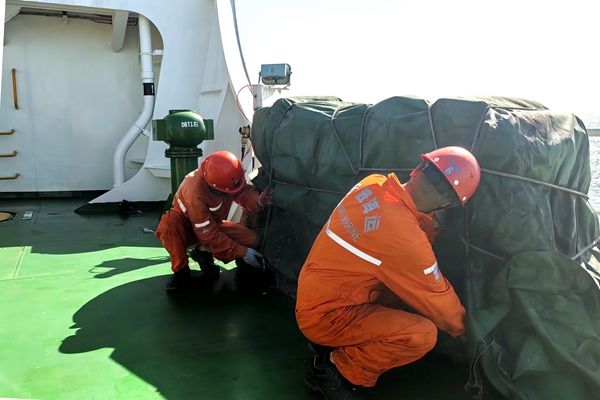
x=85, y=315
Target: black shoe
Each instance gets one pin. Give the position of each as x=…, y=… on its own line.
x=319, y=348
x=206, y=262
x=181, y=281
x=324, y=377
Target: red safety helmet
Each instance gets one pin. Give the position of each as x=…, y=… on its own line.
x=223, y=171
x=459, y=167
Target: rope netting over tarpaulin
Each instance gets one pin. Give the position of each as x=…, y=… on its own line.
x=522, y=255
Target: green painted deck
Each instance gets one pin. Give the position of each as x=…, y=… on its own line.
x=85, y=316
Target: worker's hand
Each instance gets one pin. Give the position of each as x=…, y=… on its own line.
x=454, y=348
x=266, y=197
x=253, y=258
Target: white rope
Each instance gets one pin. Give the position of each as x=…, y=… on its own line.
x=522, y=178
x=576, y=256
x=479, y=249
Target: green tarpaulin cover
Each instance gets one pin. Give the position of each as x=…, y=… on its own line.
x=521, y=255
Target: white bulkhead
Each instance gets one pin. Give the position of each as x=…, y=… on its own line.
x=76, y=91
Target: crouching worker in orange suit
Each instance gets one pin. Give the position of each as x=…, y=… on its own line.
x=374, y=255
x=200, y=206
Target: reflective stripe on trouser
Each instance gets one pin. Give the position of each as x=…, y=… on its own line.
x=370, y=339
x=177, y=234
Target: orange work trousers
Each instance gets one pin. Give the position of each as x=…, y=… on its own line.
x=370, y=338
x=177, y=234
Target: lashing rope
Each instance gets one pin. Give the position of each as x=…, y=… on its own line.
x=464, y=239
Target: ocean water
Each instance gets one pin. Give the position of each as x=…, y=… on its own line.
x=590, y=119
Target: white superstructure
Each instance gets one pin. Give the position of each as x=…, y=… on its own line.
x=78, y=79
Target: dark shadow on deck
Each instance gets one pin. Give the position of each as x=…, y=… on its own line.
x=123, y=265
x=218, y=344
x=211, y=344
x=55, y=228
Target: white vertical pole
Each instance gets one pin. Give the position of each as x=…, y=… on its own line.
x=148, y=85
x=2, y=15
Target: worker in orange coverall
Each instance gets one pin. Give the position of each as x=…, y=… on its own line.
x=197, y=218
x=374, y=255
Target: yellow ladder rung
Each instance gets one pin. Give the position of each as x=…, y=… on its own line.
x=6, y=178
x=14, y=154
x=7, y=133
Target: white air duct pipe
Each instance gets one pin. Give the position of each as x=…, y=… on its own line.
x=148, y=82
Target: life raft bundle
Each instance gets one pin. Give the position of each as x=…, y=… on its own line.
x=522, y=255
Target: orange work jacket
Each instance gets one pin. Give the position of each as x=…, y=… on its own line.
x=376, y=237
x=205, y=211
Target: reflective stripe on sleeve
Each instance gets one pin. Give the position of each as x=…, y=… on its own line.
x=351, y=248
x=181, y=205
x=430, y=269
x=202, y=225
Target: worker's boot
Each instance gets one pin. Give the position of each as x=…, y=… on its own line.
x=206, y=262
x=181, y=281
x=323, y=376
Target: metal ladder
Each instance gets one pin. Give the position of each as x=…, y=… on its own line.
x=12, y=131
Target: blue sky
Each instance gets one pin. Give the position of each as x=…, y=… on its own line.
x=366, y=51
